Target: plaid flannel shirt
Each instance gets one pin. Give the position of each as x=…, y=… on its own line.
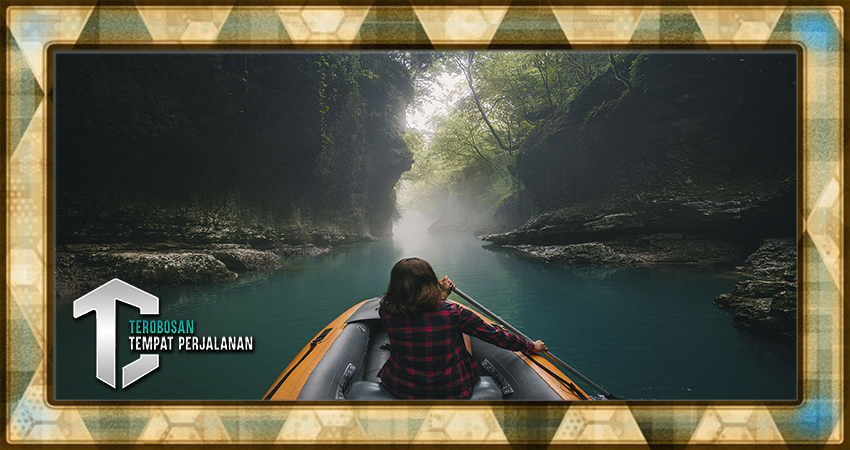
x=428, y=359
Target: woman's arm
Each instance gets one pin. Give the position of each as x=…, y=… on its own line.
x=473, y=325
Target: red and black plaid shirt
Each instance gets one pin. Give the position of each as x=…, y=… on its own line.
x=428, y=359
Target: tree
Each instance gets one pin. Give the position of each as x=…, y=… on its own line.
x=506, y=94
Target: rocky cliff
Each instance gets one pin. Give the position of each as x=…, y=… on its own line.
x=213, y=163
x=701, y=145
x=692, y=162
x=766, y=302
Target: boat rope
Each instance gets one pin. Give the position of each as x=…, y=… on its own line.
x=313, y=344
x=572, y=388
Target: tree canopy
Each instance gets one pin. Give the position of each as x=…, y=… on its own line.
x=464, y=161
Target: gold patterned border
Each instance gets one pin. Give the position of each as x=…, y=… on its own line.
x=819, y=30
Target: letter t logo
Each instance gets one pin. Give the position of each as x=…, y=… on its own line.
x=103, y=301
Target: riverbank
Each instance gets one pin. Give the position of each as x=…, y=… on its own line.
x=668, y=248
x=81, y=268
x=766, y=302
x=154, y=245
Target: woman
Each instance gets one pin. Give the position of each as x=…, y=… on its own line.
x=428, y=356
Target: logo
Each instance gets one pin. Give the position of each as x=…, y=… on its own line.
x=103, y=301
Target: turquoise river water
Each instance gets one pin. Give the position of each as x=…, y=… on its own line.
x=640, y=333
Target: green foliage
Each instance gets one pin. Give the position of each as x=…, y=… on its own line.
x=590, y=114
x=635, y=73
x=466, y=156
x=339, y=78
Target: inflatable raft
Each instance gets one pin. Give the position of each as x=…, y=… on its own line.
x=343, y=360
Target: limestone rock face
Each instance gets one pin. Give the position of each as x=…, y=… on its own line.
x=81, y=268
x=79, y=272
x=244, y=259
x=695, y=164
x=222, y=147
x=709, y=131
x=702, y=145
x=766, y=303
x=182, y=168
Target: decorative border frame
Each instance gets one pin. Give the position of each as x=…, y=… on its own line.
x=819, y=30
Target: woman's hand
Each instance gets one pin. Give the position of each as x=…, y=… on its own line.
x=539, y=346
x=446, y=286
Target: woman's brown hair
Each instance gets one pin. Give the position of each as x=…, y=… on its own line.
x=413, y=288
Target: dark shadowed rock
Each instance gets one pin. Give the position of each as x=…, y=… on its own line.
x=82, y=267
x=775, y=258
x=79, y=272
x=645, y=250
x=166, y=269
x=244, y=259
x=710, y=135
x=766, y=303
x=696, y=164
x=289, y=251
x=206, y=164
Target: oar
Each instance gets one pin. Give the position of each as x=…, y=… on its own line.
x=513, y=330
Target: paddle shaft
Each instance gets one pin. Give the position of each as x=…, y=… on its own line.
x=513, y=330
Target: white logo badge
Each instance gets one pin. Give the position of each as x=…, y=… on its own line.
x=103, y=302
